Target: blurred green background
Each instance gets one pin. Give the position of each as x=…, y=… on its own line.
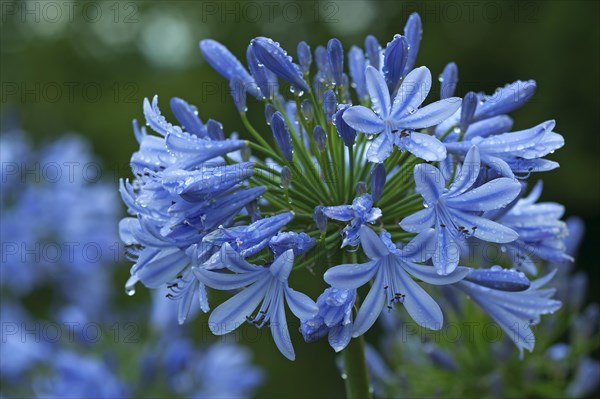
x=86, y=67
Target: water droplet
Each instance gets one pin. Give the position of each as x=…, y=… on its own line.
x=130, y=291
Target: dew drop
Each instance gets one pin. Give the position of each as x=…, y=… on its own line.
x=130, y=291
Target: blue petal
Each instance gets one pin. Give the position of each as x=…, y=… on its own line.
x=373, y=50
x=162, y=268
x=378, y=177
x=378, y=91
x=417, y=249
x=221, y=59
x=419, y=221
x=273, y=57
x=345, y=131
x=335, y=52
x=468, y=106
x=304, y=56
x=265, y=79
x=380, y=148
x=235, y=262
x=489, y=127
x=492, y=195
x=232, y=313
x=154, y=118
x=372, y=245
x=429, y=115
x=226, y=281
x=357, y=65
x=429, y=182
x=300, y=304
x=329, y=105
x=515, y=141
x=419, y=305
x=343, y=213
x=339, y=336
x=550, y=142
x=413, y=30
x=499, y=279
x=411, y=93
x=506, y=99
x=447, y=252
x=363, y=119
x=486, y=230
x=466, y=177
x=394, y=60
x=282, y=136
x=371, y=307
x=448, y=79
x=430, y=275
x=498, y=164
x=279, y=328
x=422, y=146
x=202, y=149
x=282, y=266
x=350, y=276
x=187, y=115
x=215, y=130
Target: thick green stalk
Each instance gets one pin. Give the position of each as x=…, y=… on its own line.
x=355, y=370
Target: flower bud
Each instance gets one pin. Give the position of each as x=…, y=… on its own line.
x=320, y=218
x=335, y=53
x=281, y=133
x=378, y=177
x=329, y=105
x=272, y=56
x=304, y=56
x=320, y=138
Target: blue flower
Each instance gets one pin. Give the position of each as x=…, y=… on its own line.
x=221, y=370
x=394, y=121
x=392, y=269
x=514, y=311
x=541, y=232
x=76, y=376
x=334, y=318
x=360, y=212
x=456, y=211
x=226, y=371
x=268, y=285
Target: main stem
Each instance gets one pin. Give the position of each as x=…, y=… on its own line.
x=355, y=370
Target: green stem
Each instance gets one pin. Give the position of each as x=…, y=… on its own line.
x=355, y=370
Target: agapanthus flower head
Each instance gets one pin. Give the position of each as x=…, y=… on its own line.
x=353, y=154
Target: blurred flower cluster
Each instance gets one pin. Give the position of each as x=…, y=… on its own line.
x=63, y=333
